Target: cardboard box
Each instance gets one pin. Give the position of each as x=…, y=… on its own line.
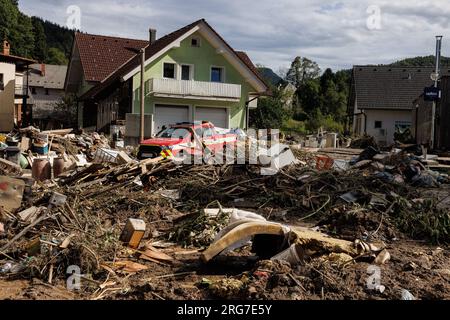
x=133, y=233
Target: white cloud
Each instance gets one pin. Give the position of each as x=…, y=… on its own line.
x=333, y=33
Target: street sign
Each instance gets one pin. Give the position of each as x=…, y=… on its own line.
x=432, y=94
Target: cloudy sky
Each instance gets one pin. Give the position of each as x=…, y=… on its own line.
x=336, y=34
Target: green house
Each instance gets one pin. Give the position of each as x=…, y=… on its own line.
x=191, y=74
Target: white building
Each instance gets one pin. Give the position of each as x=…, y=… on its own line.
x=46, y=83
x=381, y=99
x=14, y=107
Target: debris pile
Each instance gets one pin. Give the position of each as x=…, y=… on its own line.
x=129, y=228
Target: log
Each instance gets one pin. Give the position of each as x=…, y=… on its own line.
x=239, y=233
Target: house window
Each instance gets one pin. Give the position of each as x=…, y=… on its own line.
x=33, y=90
x=378, y=124
x=169, y=71
x=195, y=42
x=186, y=72
x=2, y=85
x=217, y=74
x=402, y=126
x=47, y=92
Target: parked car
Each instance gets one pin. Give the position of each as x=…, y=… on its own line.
x=186, y=138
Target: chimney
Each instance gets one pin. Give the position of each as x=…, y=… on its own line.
x=42, y=69
x=6, y=48
x=152, y=34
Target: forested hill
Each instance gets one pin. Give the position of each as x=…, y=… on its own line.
x=33, y=37
x=270, y=75
x=420, y=62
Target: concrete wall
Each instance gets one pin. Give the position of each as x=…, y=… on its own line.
x=43, y=104
x=132, y=131
x=7, y=97
x=388, y=119
x=443, y=116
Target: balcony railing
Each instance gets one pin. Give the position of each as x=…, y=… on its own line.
x=21, y=90
x=194, y=89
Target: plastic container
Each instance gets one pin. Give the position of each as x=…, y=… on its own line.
x=58, y=167
x=13, y=154
x=292, y=255
x=324, y=163
x=23, y=161
x=41, y=169
x=105, y=155
x=120, y=143
x=40, y=148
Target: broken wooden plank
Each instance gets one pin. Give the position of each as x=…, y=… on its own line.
x=239, y=233
x=151, y=254
x=128, y=266
x=28, y=215
x=58, y=132
x=123, y=158
x=22, y=233
x=10, y=168
x=314, y=240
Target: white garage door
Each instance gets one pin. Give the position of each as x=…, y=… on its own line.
x=218, y=116
x=166, y=115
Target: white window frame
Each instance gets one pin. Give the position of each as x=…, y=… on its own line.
x=175, y=73
x=223, y=73
x=191, y=71
x=199, y=42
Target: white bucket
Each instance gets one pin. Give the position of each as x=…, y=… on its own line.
x=290, y=255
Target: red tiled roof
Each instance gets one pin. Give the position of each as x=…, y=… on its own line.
x=246, y=59
x=134, y=62
x=101, y=55
x=155, y=48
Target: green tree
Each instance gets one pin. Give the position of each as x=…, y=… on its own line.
x=56, y=56
x=8, y=18
x=270, y=113
x=327, y=79
x=334, y=94
x=66, y=111
x=309, y=99
x=58, y=37
x=16, y=28
x=31, y=37
x=420, y=62
x=25, y=37
x=321, y=101
x=301, y=70
x=40, y=41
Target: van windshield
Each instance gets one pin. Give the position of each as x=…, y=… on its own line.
x=174, y=133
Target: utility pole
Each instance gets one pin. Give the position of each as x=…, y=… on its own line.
x=436, y=79
x=142, y=97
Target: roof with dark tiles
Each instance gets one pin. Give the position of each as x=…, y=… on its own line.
x=53, y=77
x=385, y=87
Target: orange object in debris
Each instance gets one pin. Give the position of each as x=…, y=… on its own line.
x=324, y=163
x=133, y=232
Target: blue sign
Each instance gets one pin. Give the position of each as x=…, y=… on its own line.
x=431, y=94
